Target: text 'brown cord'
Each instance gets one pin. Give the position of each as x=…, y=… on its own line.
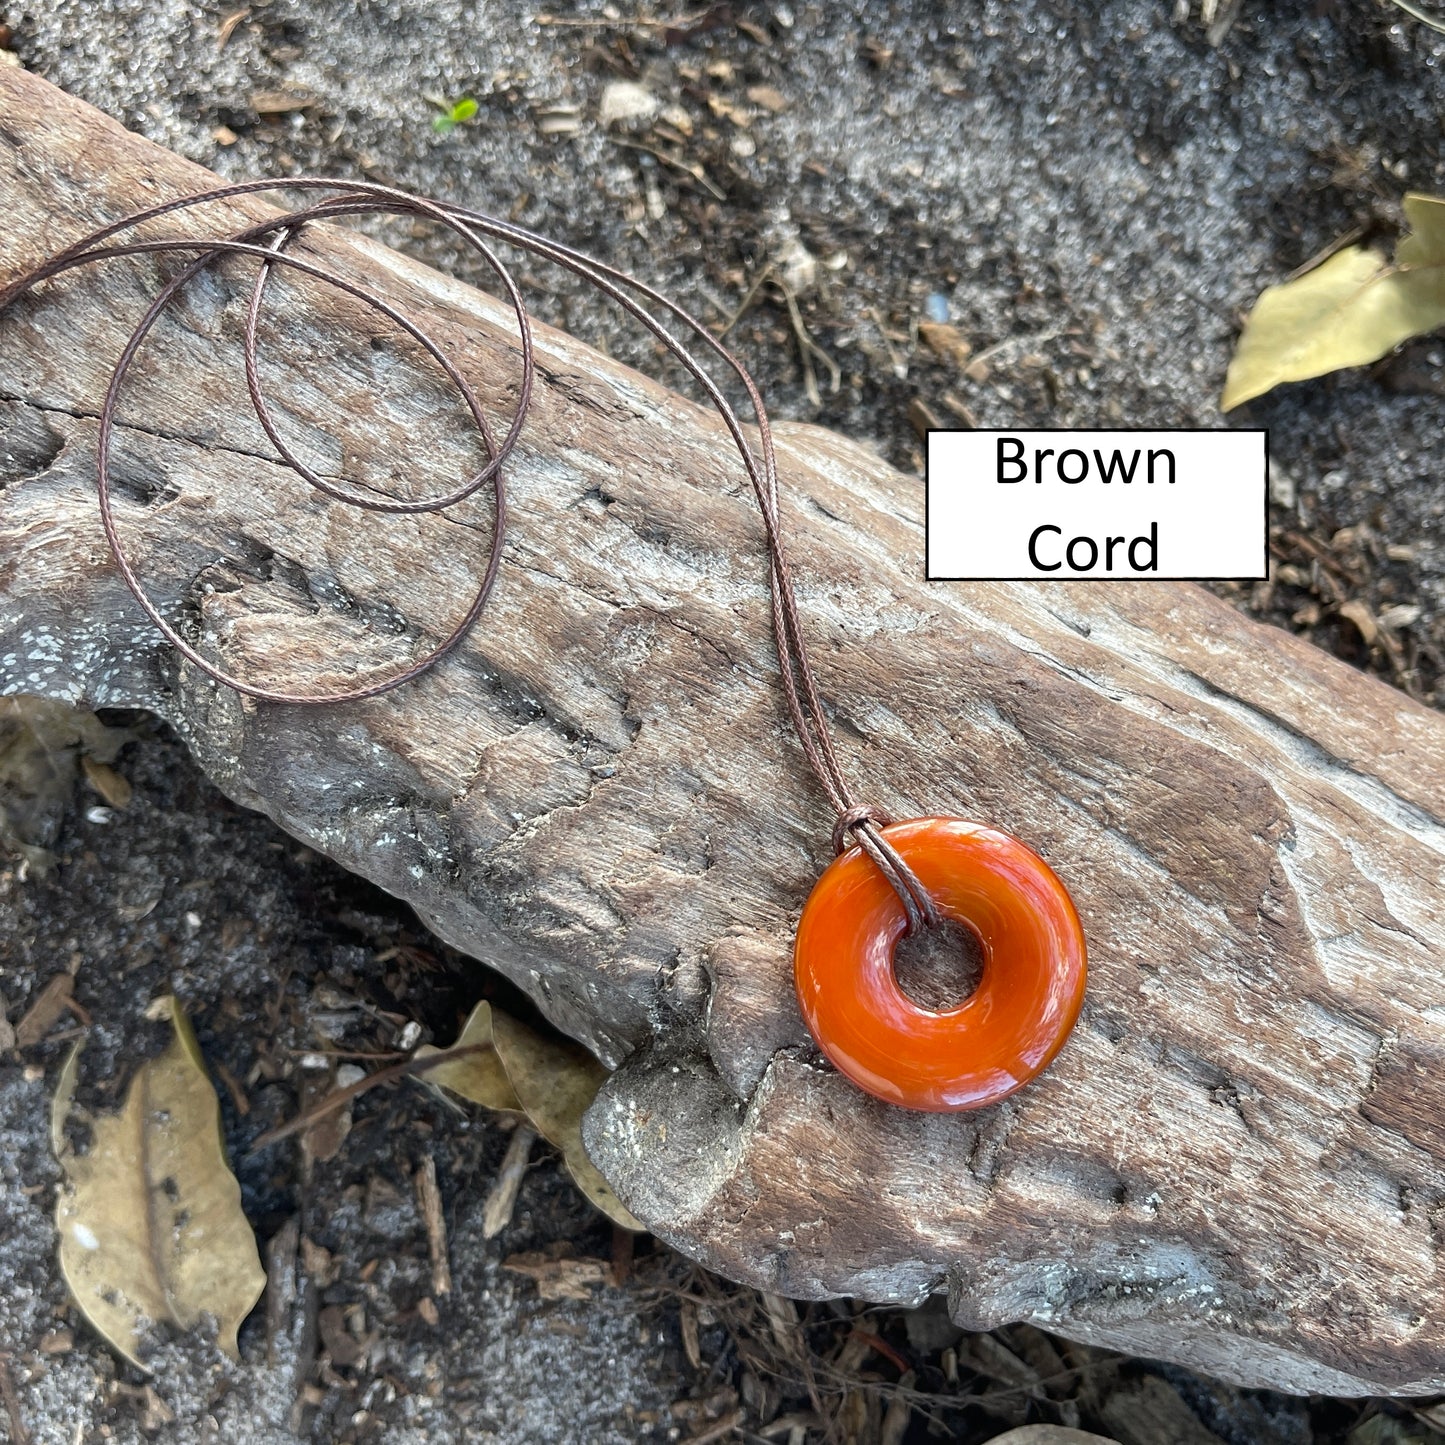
x=268, y=243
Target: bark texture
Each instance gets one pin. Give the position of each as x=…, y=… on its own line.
x=1238, y=1162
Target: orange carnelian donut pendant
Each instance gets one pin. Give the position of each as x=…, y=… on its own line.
x=994, y=1041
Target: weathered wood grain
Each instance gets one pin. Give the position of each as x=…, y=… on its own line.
x=1237, y=1162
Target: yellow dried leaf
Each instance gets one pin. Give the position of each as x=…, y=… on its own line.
x=556, y=1081
x=1351, y=310
x=478, y=1077
x=588, y=1178
x=150, y=1221
x=553, y=1081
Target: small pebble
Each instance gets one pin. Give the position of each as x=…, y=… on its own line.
x=936, y=307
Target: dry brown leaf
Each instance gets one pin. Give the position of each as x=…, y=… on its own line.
x=556, y=1081
x=150, y=1221
x=107, y=782
x=41, y=744
x=1352, y=309
x=41, y=1016
x=479, y=1077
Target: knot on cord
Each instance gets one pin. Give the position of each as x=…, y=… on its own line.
x=849, y=820
x=866, y=825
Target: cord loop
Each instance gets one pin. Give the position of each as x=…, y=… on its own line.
x=268, y=243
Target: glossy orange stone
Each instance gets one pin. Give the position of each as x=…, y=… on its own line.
x=996, y=1040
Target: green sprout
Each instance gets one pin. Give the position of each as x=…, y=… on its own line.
x=454, y=115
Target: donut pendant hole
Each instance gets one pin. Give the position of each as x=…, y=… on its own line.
x=939, y=968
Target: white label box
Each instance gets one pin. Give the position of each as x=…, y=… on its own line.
x=1081, y=505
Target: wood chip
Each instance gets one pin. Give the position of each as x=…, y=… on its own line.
x=321, y=1268
x=228, y=26
x=429, y=1201
x=281, y=1293
x=1150, y=1411
x=559, y=1278
x=691, y=1343
x=1402, y=614
x=278, y=102
x=345, y=1349
x=956, y=406
x=1357, y=612
x=945, y=341
x=719, y=1431
x=783, y=1320
x=321, y=1142
x=992, y=1358
x=899, y=1414
x=502, y=1201
x=155, y=1414
x=769, y=97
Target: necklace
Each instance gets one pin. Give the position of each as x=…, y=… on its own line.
x=888, y=879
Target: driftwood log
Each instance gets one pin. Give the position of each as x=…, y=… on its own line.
x=1238, y=1162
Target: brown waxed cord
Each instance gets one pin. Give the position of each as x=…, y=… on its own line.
x=268, y=242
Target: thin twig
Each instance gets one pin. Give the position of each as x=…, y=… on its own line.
x=8, y=1393
x=339, y=1097
x=1037, y=337
x=1320, y=257
x=689, y=168
x=899, y=365
x=808, y=348
x=748, y=298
